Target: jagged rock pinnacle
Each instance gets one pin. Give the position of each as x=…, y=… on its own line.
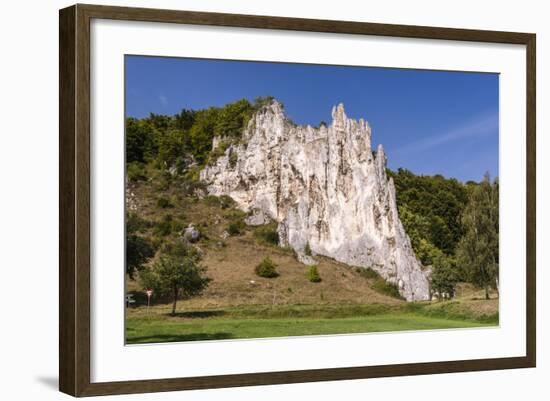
x=325, y=188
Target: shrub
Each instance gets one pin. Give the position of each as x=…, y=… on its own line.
x=378, y=283
x=235, y=228
x=266, y=268
x=136, y=171
x=233, y=158
x=383, y=287
x=368, y=273
x=216, y=153
x=226, y=201
x=267, y=235
x=164, y=203
x=135, y=224
x=164, y=226
x=307, y=249
x=223, y=202
x=313, y=274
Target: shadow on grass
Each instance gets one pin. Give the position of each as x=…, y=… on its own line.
x=199, y=314
x=162, y=338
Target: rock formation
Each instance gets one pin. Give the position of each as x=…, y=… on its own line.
x=325, y=187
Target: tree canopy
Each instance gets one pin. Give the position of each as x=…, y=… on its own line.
x=177, y=273
x=166, y=140
x=478, y=249
x=453, y=227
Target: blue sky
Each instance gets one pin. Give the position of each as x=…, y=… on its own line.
x=430, y=122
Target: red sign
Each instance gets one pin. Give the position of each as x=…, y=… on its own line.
x=149, y=293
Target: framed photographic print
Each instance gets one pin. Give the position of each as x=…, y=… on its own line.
x=250, y=200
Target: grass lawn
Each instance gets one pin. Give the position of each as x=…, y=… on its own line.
x=261, y=322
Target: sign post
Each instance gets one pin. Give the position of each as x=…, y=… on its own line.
x=149, y=292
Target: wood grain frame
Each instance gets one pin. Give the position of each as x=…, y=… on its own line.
x=74, y=199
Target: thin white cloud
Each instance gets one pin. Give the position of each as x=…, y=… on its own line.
x=163, y=99
x=482, y=125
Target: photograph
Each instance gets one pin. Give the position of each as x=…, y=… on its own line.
x=273, y=199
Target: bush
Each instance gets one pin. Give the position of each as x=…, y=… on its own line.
x=223, y=202
x=267, y=235
x=266, y=268
x=226, y=201
x=136, y=171
x=233, y=158
x=378, y=283
x=368, y=273
x=164, y=203
x=164, y=226
x=307, y=249
x=313, y=274
x=383, y=287
x=235, y=228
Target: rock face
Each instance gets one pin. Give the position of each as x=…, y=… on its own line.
x=191, y=234
x=325, y=187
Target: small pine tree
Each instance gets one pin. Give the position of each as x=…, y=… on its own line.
x=313, y=274
x=307, y=249
x=266, y=268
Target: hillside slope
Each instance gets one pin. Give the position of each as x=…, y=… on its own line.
x=231, y=259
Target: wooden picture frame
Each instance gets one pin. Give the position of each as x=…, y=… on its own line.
x=74, y=203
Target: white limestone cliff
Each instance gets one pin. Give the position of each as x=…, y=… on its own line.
x=325, y=187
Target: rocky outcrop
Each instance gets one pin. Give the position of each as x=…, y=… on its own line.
x=326, y=188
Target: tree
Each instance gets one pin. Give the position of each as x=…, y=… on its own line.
x=266, y=268
x=233, y=119
x=139, y=140
x=138, y=249
x=444, y=275
x=177, y=273
x=313, y=274
x=307, y=249
x=477, y=251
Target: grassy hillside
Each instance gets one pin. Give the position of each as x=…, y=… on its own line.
x=231, y=259
x=240, y=304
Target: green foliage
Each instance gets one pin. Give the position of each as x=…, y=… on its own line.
x=262, y=101
x=266, y=268
x=235, y=228
x=430, y=208
x=227, y=202
x=383, y=287
x=138, y=249
x=177, y=273
x=136, y=171
x=178, y=141
x=444, y=275
x=478, y=250
x=378, y=283
x=307, y=249
x=171, y=149
x=233, y=159
x=233, y=119
x=166, y=226
x=367, y=272
x=313, y=274
x=136, y=224
x=267, y=234
x=217, y=153
x=164, y=203
x=427, y=252
x=139, y=140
